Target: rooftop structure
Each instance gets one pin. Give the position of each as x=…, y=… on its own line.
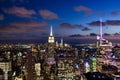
x=103, y=43
x=51, y=37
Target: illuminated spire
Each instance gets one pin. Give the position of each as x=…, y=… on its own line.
x=51, y=37
x=51, y=31
x=101, y=37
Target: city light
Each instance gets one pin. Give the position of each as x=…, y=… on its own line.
x=59, y=40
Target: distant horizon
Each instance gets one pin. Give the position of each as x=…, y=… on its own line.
x=69, y=40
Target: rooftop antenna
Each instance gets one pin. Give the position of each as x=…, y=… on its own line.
x=51, y=31
x=101, y=35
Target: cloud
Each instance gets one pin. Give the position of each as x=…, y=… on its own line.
x=66, y=25
x=19, y=11
x=29, y=24
x=1, y=17
x=96, y=23
x=93, y=34
x=86, y=29
x=19, y=36
x=6, y=36
x=85, y=9
x=46, y=14
x=69, y=26
x=107, y=34
x=113, y=22
x=116, y=34
x=108, y=22
x=79, y=26
x=115, y=12
x=76, y=35
x=21, y=27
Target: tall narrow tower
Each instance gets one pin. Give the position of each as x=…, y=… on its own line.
x=51, y=37
x=101, y=35
x=61, y=41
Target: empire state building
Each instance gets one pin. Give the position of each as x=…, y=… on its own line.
x=51, y=37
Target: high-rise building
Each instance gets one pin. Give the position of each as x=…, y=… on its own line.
x=5, y=67
x=51, y=37
x=103, y=43
x=104, y=48
x=30, y=67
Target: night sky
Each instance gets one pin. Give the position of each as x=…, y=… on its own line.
x=71, y=19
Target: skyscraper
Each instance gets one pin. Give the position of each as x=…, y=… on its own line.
x=51, y=37
x=30, y=67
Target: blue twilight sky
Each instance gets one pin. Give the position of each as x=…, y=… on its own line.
x=31, y=19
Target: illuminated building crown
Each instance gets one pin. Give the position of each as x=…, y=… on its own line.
x=51, y=37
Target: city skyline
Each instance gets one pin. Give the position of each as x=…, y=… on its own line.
x=59, y=40
x=74, y=19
